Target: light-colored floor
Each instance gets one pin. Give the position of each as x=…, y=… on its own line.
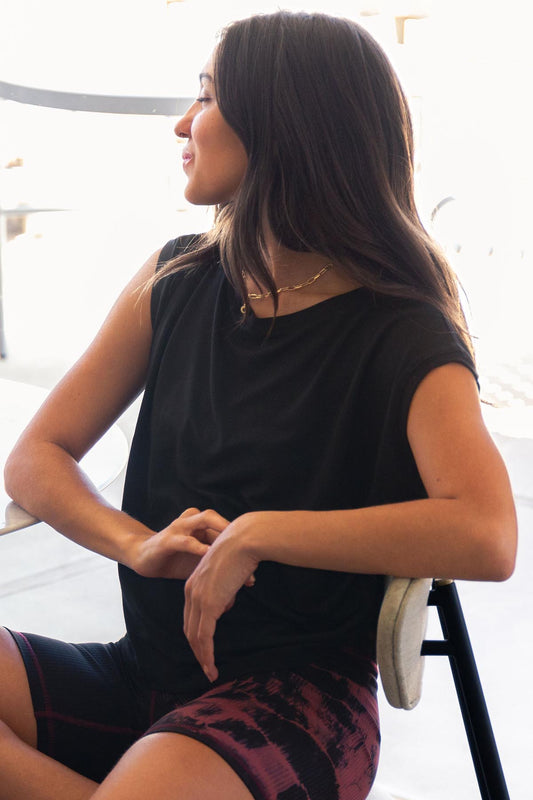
x=51, y=586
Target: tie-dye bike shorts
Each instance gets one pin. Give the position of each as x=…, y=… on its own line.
x=293, y=734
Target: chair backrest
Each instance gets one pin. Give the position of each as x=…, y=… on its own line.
x=15, y=518
x=401, y=631
x=401, y=647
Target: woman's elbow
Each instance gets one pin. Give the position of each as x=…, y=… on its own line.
x=498, y=551
x=505, y=564
x=19, y=470
x=12, y=473
x=501, y=568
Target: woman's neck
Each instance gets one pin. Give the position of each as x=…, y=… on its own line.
x=291, y=269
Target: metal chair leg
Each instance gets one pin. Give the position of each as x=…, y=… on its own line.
x=457, y=647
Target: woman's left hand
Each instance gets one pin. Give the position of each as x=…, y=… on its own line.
x=211, y=590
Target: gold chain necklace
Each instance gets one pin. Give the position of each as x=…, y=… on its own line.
x=308, y=282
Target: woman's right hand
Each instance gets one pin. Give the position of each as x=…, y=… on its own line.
x=175, y=551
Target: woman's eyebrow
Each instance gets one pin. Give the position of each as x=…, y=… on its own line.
x=205, y=75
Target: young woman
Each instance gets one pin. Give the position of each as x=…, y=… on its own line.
x=310, y=422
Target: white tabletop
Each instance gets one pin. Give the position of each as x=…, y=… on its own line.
x=18, y=402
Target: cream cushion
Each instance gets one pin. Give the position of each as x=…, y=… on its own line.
x=401, y=631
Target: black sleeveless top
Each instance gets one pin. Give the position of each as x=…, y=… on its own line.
x=308, y=414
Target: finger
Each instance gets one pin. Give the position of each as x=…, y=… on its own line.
x=212, y=519
x=187, y=608
x=205, y=526
x=191, y=609
x=199, y=628
x=205, y=645
x=175, y=539
x=250, y=581
x=211, y=535
x=191, y=545
x=189, y=512
x=202, y=520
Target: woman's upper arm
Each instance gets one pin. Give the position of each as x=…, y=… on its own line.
x=107, y=377
x=455, y=454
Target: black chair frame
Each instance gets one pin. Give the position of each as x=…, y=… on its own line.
x=456, y=645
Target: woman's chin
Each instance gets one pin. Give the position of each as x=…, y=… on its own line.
x=197, y=198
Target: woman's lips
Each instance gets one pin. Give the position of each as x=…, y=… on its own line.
x=186, y=158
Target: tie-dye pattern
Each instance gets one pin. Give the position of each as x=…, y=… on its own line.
x=306, y=735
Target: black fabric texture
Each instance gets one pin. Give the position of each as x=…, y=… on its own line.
x=307, y=413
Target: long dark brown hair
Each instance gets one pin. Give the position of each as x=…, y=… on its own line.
x=328, y=134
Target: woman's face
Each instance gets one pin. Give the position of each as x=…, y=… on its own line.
x=214, y=158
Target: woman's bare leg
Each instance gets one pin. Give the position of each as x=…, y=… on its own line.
x=174, y=767
x=16, y=707
x=25, y=773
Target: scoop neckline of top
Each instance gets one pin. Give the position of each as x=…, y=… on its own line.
x=252, y=320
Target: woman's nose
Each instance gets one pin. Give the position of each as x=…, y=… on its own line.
x=182, y=128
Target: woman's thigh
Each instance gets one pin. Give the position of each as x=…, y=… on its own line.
x=16, y=708
x=172, y=767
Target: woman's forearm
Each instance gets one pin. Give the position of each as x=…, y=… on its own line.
x=421, y=538
x=48, y=483
x=436, y=537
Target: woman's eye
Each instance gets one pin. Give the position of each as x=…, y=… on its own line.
x=202, y=99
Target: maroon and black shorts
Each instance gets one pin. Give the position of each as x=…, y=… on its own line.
x=305, y=734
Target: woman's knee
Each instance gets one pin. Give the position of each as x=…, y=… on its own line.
x=16, y=708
